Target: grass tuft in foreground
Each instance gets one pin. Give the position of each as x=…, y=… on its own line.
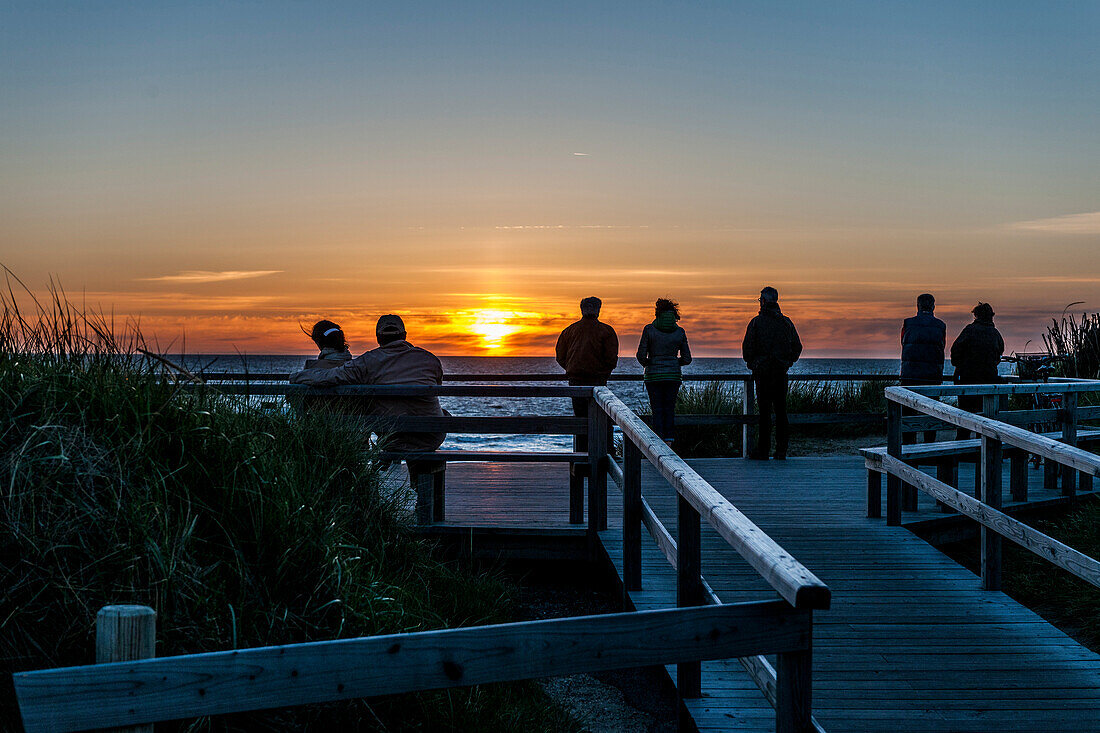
x=241, y=527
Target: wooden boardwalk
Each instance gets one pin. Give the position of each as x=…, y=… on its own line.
x=911, y=642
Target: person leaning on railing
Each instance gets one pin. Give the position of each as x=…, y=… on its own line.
x=663, y=349
x=975, y=354
x=395, y=361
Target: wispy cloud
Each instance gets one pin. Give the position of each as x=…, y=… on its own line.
x=209, y=276
x=1070, y=224
x=573, y=226
x=585, y=155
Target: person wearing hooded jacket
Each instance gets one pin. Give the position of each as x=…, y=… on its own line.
x=975, y=354
x=771, y=346
x=395, y=361
x=663, y=350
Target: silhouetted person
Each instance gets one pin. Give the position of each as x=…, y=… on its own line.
x=662, y=350
x=770, y=348
x=923, y=338
x=331, y=344
x=975, y=355
x=588, y=351
x=395, y=361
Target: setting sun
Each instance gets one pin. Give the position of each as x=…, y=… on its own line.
x=493, y=326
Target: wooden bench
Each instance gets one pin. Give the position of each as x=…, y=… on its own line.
x=428, y=469
x=946, y=455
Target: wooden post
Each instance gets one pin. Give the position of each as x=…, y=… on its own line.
x=1069, y=437
x=597, y=468
x=1017, y=475
x=991, y=494
x=689, y=586
x=632, y=516
x=893, y=448
x=124, y=634
x=794, y=690
x=748, y=398
x=874, y=494
x=439, y=488
x=576, y=495
x=425, y=502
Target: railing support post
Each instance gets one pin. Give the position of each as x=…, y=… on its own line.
x=632, y=516
x=124, y=634
x=992, y=455
x=1069, y=437
x=748, y=398
x=597, y=457
x=794, y=688
x=893, y=448
x=689, y=586
x=874, y=494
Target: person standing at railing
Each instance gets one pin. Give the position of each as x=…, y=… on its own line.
x=395, y=361
x=588, y=351
x=923, y=339
x=771, y=346
x=663, y=350
x=975, y=354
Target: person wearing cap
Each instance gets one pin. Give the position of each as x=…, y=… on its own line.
x=771, y=346
x=923, y=338
x=395, y=361
x=588, y=351
x=975, y=354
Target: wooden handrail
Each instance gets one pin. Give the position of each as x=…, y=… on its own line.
x=1058, y=553
x=633, y=377
x=215, y=683
x=1024, y=388
x=394, y=390
x=787, y=576
x=1017, y=437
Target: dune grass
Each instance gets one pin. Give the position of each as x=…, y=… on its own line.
x=725, y=398
x=241, y=527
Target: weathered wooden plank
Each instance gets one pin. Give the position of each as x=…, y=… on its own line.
x=789, y=577
x=1008, y=434
x=170, y=688
x=1027, y=388
x=395, y=390
x=1060, y=554
x=491, y=456
x=532, y=425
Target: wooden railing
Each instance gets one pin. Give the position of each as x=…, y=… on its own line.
x=996, y=437
x=747, y=419
x=788, y=685
x=700, y=628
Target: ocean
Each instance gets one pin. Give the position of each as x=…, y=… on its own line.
x=632, y=393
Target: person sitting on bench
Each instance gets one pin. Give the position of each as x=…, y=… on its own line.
x=395, y=361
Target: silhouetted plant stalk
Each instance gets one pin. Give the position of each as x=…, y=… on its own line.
x=1077, y=339
x=240, y=526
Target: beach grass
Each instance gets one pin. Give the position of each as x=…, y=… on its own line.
x=725, y=398
x=241, y=526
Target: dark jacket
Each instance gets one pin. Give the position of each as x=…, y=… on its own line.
x=662, y=353
x=923, y=338
x=398, y=362
x=771, y=342
x=977, y=352
x=588, y=350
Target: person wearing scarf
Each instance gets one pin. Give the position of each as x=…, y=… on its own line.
x=663, y=350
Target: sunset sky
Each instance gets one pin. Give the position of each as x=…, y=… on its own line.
x=230, y=170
